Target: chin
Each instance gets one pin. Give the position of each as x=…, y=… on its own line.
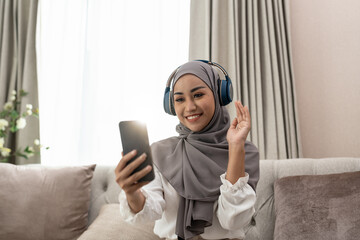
x=196, y=129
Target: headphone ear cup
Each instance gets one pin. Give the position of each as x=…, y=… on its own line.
x=225, y=91
x=222, y=91
x=229, y=90
x=171, y=100
x=168, y=102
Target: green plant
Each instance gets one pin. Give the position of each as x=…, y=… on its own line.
x=11, y=121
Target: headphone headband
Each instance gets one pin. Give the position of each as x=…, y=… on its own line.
x=168, y=83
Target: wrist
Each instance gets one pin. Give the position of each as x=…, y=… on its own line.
x=136, y=201
x=236, y=164
x=237, y=145
x=131, y=196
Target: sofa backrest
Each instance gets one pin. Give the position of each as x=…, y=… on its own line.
x=263, y=223
x=105, y=190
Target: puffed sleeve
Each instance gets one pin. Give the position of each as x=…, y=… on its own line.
x=236, y=203
x=154, y=203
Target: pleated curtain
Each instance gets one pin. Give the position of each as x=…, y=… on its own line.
x=251, y=39
x=18, y=65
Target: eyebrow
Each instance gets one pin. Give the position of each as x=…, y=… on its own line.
x=192, y=90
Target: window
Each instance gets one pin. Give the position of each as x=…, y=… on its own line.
x=100, y=62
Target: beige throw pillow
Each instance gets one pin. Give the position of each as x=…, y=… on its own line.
x=44, y=203
x=318, y=207
x=110, y=226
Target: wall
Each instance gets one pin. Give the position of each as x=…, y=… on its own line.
x=325, y=38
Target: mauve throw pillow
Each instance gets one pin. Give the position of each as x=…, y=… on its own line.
x=44, y=203
x=318, y=207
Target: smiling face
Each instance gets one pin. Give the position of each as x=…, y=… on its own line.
x=194, y=102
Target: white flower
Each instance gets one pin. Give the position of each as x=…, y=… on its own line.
x=13, y=92
x=5, y=152
x=20, y=123
x=8, y=106
x=3, y=124
x=37, y=142
x=2, y=141
x=29, y=107
x=29, y=112
x=13, y=98
x=30, y=152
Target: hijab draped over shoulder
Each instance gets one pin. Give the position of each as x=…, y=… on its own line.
x=193, y=162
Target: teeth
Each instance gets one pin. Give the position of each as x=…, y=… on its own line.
x=192, y=117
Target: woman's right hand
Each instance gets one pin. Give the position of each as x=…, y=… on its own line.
x=127, y=181
x=130, y=182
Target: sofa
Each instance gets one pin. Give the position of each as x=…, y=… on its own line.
x=296, y=199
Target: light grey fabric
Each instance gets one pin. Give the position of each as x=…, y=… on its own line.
x=18, y=65
x=262, y=226
x=318, y=206
x=251, y=40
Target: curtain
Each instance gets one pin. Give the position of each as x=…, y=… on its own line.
x=102, y=62
x=251, y=39
x=18, y=68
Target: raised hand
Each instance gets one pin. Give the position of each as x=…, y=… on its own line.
x=240, y=126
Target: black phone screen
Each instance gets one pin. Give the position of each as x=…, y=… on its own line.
x=134, y=136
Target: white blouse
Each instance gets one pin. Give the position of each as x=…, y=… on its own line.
x=232, y=211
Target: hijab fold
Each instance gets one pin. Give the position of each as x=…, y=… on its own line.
x=193, y=162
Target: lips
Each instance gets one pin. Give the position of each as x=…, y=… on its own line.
x=193, y=117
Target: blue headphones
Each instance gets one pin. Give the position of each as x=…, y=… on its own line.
x=224, y=86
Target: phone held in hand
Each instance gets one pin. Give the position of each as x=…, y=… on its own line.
x=134, y=136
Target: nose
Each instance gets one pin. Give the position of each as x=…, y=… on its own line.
x=190, y=106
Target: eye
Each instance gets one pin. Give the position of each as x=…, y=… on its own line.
x=197, y=95
x=179, y=99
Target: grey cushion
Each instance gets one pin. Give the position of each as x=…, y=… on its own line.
x=318, y=207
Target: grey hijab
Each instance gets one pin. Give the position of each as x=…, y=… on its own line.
x=193, y=162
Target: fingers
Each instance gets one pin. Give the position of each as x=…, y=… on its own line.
x=131, y=184
x=136, y=186
x=134, y=178
x=124, y=160
x=234, y=123
x=240, y=112
x=247, y=115
x=130, y=167
x=123, y=172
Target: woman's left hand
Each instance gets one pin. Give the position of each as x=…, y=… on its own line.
x=240, y=126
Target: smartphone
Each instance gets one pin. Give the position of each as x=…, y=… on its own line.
x=134, y=136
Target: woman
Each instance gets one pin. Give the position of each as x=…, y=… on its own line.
x=205, y=177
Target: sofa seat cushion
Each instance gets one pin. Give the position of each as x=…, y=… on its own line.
x=318, y=206
x=109, y=225
x=44, y=203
